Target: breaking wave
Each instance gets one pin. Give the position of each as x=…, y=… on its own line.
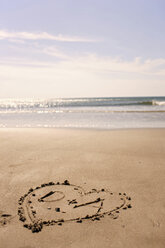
x=29, y=104
x=160, y=103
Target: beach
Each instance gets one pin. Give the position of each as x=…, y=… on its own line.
x=105, y=164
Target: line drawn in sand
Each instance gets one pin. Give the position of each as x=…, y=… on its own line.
x=56, y=203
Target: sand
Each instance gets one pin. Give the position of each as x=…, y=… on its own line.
x=82, y=188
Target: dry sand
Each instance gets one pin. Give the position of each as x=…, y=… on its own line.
x=123, y=161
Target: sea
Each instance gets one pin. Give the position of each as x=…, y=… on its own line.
x=87, y=113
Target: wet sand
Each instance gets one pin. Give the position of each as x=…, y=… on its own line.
x=81, y=188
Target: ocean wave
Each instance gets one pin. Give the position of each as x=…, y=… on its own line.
x=150, y=102
x=29, y=104
x=160, y=103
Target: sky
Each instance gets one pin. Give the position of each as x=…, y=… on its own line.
x=75, y=48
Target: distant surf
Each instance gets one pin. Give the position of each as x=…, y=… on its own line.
x=20, y=104
x=106, y=113
x=160, y=103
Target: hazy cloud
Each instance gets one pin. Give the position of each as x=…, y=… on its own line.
x=93, y=64
x=81, y=76
x=55, y=52
x=41, y=36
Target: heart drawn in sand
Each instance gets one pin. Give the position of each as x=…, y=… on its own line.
x=57, y=203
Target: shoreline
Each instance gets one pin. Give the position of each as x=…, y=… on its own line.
x=81, y=128
x=127, y=161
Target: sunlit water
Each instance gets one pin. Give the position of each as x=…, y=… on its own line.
x=99, y=113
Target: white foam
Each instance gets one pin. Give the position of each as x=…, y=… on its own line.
x=160, y=103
